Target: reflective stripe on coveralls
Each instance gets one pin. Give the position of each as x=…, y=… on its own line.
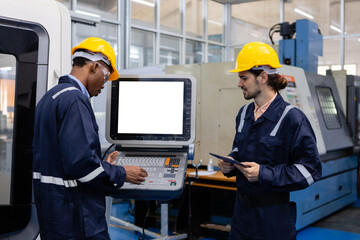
x=241, y=125
x=92, y=175
x=54, y=180
x=276, y=128
x=300, y=167
x=67, y=183
x=64, y=90
x=305, y=173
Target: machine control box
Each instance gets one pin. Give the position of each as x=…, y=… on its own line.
x=166, y=174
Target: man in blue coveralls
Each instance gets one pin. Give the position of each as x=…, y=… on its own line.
x=276, y=143
x=70, y=178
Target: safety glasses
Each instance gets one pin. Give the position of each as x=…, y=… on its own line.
x=106, y=73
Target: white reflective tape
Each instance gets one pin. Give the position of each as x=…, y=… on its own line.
x=305, y=173
x=70, y=183
x=276, y=128
x=54, y=180
x=242, y=117
x=92, y=175
x=235, y=150
x=64, y=90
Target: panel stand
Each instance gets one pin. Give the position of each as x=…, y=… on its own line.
x=164, y=226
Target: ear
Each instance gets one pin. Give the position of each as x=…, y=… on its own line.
x=263, y=77
x=94, y=67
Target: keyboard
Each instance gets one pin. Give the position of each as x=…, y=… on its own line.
x=166, y=172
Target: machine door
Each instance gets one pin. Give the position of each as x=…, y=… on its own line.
x=353, y=107
x=331, y=116
x=23, y=65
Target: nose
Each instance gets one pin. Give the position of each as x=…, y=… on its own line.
x=240, y=84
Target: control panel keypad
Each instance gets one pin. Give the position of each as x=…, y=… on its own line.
x=162, y=171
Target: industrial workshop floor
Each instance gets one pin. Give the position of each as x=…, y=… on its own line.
x=341, y=225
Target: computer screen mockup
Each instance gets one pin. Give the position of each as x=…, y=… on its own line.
x=156, y=110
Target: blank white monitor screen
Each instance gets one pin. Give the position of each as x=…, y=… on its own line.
x=150, y=107
x=151, y=110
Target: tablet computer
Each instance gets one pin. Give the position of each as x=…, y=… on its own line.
x=227, y=159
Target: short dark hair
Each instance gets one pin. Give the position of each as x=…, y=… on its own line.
x=79, y=62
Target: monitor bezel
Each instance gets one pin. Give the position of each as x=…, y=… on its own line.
x=168, y=139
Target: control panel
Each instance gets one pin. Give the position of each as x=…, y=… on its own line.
x=166, y=174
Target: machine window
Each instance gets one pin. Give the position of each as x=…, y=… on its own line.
x=7, y=101
x=328, y=107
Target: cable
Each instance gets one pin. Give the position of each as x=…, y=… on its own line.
x=144, y=223
x=189, y=209
x=107, y=151
x=319, y=31
x=271, y=36
x=278, y=25
x=273, y=29
x=131, y=211
x=182, y=200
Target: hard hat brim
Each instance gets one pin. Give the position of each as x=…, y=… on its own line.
x=235, y=70
x=114, y=75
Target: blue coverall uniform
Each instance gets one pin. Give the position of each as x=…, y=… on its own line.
x=70, y=179
x=283, y=143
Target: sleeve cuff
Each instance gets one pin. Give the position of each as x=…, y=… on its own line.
x=265, y=176
x=233, y=155
x=230, y=174
x=122, y=177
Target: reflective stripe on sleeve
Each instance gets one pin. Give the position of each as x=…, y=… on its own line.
x=305, y=173
x=54, y=180
x=64, y=90
x=92, y=175
x=276, y=128
x=242, y=117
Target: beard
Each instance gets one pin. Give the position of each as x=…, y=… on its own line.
x=252, y=94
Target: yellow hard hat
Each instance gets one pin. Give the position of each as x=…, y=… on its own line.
x=256, y=54
x=98, y=45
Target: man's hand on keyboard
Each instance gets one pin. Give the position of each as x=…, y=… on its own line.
x=112, y=157
x=135, y=174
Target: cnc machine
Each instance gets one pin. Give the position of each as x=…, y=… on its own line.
x=35, y=50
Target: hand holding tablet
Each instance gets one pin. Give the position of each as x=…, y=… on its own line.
x=227, y=159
